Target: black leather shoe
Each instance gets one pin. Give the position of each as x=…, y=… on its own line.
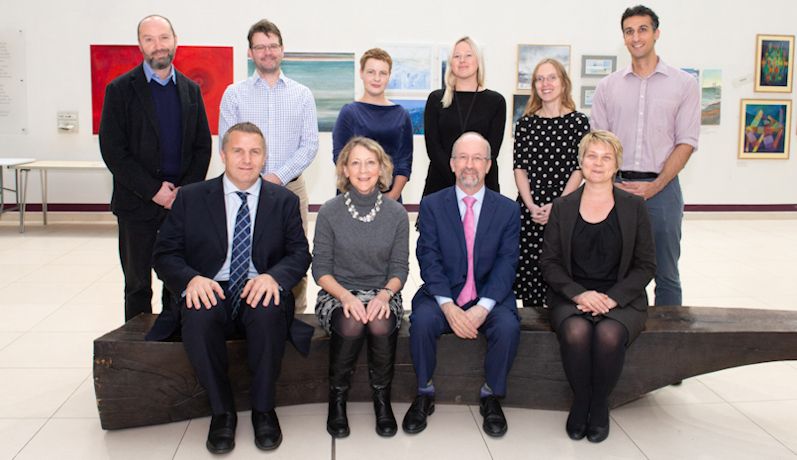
x=415, y=419
x=597, y=433
x=221, y=436
x=576, y=430
x=385, y=420
x=337, y=421
x=494, y=421
x=268, y=435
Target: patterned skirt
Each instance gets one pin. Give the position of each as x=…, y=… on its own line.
x=326, y=304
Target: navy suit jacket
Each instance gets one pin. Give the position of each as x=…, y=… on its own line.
x=193, y=241
x=129, y=142
x=443, y=256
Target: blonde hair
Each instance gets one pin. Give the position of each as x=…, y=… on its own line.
x=451, y=79
x=385, y=164
x=601, y=137
x=535, y=101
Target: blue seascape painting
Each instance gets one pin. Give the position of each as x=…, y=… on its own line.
x=330, y=76
x=415, y=107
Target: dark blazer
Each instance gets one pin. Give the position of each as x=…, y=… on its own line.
x=637, y=261
x=130, y=147
x=193, y=239
x=442, y=254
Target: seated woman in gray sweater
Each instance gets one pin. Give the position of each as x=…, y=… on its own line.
x=360, y=261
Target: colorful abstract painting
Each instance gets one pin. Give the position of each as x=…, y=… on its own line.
x=774, y=56
x=711, y=97
x=209, y=66
x=764, y=130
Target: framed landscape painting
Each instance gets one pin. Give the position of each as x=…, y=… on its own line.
x=529, y=55
x=774, y=63
x=764, y=129
x=598, y=66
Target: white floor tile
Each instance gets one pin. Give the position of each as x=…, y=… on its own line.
x=81, y=404
x=84, y=439
x=38, y=293
x=75, y=317
x=78, y=275
x=452, y=432
x=696, y=431
x=691, y=391
x=541, y=434
x=16, y=432
x=21, y=318
x=300, y=439
x=8, y=337
x=36, y=392
x=758, y=382
x=778, y=418
x=50, y=350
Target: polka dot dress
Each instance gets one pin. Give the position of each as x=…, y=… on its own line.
x=547, y=148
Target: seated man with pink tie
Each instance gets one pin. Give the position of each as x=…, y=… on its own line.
x=467, y=252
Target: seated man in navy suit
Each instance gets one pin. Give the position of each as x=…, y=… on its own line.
x=234, y=247
x=467, y=251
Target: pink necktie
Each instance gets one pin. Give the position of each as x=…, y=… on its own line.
x=468, y=292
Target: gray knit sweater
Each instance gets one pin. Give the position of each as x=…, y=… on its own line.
x=361, y=255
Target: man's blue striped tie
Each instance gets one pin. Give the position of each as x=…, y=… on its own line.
x=241, y=253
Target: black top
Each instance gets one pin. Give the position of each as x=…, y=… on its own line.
x=596, y=252
x=483, y=112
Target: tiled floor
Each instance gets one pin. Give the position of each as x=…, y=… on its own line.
x=61, y=287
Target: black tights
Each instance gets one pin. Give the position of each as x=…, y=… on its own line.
x=592, y=355
x=351, y=328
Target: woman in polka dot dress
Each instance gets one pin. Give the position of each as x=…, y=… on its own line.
x=546, y=166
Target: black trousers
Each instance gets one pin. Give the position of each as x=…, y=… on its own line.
x=136, y=242
x=266, y=330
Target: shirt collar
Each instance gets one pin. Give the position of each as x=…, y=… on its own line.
x=150, y=74
x=255, y=79
x=661, y=68
x=461, y=194
x=229, y=187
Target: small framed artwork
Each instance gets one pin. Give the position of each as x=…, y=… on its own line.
x=774, y=58
x=519, y=102
x=598, y=66
x=529, y=55
x=764, y=129
x=586, y=96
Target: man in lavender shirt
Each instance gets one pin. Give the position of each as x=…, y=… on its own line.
x=655, y=111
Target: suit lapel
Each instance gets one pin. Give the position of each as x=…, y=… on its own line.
x=485, y=218
x=265, y=208
x=217, y=211
x=185, y=107
x=141, y=87
x=627, y=230
x=568, y=215
x=454, y=219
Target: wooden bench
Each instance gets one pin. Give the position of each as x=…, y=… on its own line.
x=143, y=383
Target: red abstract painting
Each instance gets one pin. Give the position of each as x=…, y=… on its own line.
x=209, y=66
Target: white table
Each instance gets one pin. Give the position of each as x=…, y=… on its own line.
x=43, y=166
x=10, y=163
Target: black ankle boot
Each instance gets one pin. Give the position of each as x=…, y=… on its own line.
x=381, y=357
x=343, y=352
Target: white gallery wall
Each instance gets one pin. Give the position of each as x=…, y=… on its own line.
x=707, y=34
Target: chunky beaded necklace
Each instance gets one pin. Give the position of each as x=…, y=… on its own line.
x=368, y=217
